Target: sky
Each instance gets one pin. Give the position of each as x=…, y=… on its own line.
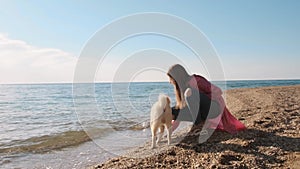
x=41, y=41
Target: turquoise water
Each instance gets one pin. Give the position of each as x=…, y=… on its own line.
x=42, y=118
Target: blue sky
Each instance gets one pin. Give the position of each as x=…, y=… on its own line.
x=254, y=39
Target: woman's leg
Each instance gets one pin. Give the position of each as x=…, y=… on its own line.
x=182, y=114
x=199, y=108
x=198, y=103
x=214, y=110
x=190, y=112
x=202, y=107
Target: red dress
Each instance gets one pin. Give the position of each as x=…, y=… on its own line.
x=225, y=121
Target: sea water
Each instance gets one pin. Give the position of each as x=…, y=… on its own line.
x=70, y=126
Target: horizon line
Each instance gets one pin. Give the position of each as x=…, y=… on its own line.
x=98, y=82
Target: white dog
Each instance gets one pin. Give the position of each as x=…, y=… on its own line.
x=161, y=118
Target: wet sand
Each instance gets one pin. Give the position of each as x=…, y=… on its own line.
x=272, y=138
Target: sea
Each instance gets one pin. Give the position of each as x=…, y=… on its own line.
x=80, y=125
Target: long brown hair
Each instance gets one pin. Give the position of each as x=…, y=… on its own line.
x=179, y=75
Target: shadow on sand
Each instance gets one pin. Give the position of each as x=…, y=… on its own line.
x=252, y=141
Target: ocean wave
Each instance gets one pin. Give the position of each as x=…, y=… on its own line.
x=118, y=124
x=128, y=125
x=45, y=143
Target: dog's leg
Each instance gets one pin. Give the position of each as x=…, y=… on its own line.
x=153, y=141
x=153, y=130
x=169, y=133
x=161, y=133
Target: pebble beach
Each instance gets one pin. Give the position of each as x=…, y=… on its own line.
x=272, y=138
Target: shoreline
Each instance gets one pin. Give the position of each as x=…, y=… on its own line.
x=271, y=140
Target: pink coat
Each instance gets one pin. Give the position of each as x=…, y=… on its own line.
x=225, y=121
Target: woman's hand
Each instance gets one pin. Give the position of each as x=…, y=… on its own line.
x=188, y=92
x=175, y=124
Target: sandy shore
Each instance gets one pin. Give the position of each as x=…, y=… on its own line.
x=272, y=139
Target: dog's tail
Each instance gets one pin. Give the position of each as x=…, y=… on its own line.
x=162, y=100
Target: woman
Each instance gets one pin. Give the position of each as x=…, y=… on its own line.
x=204, y=102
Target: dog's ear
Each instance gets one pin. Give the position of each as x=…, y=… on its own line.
x=168, y=101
